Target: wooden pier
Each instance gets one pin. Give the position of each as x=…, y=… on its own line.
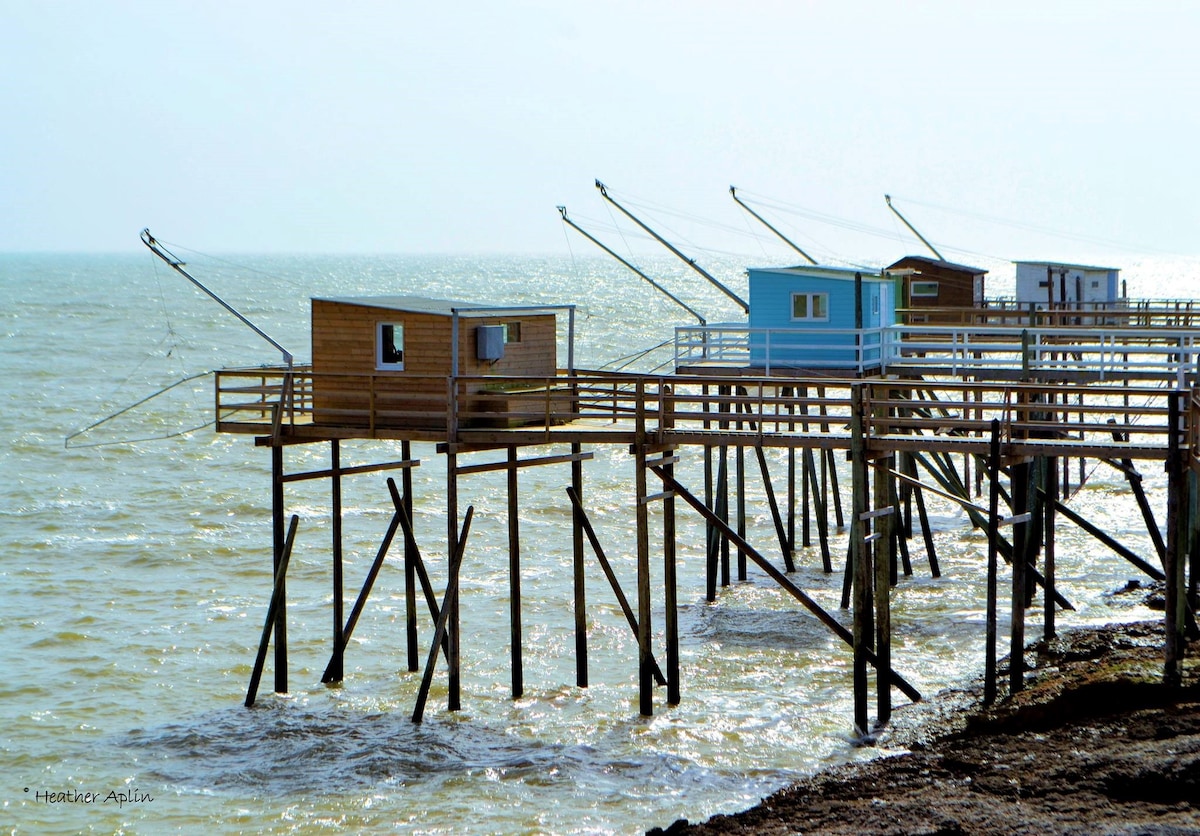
x=905, y=435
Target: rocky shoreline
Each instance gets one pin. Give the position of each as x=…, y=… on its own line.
x=1094, y=744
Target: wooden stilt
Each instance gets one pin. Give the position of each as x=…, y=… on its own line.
x=335, y=482
x=805, y=502
x=820, y=507
x=830, y=466
x=514, y=577
x=884, y=549
x=671, y=602
x=993, y=532
x=580, y=586
x=642, y=514
x=451, y=629
x=723, y=505
x=740, y=468
x=713, y=538
x=445, y=618
x=273, y=610
x=860, y=555
x=1019, y=476
x=848, y=575
x=410, y=560
x=281, y=653
x=1048, y=508
x=935, y=569
x=1174, y=616
x=780, y=531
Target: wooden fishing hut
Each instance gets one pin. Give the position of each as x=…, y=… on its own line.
x=383, y=361
x=807, y=319
x=1052, y=283
x=930, y=283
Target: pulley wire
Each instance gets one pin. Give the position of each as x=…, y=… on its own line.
x=67, y=441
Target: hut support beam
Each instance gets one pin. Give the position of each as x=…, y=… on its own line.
x=514, y=576
x=335, y=669
x=273, y=610
x=577, y=522
x=670, y=591
x=993, y=537
x=448, y=619
x=1019, y=477
x=411, y=556
x=1049, y=507
x=445, y=618
x=280, y=620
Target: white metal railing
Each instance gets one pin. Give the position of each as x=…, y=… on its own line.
x=844, y=349
x=1103, y=352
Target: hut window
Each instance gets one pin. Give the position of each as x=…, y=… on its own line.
x=512, y=332
x=924, y=289
x=389, y=346
x=810, y=307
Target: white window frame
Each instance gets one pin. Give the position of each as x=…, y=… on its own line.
x=925, y=285
x=383, y=332
x=810, y=299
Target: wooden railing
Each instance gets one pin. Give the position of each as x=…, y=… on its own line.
x=692, y=409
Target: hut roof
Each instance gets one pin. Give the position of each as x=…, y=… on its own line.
x=933, y=262
x=1064, y=266
x=425, y=305
x=821, y=271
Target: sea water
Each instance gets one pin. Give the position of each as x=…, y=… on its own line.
x=135, y=558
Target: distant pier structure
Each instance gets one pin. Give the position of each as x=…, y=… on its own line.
x=985, y=406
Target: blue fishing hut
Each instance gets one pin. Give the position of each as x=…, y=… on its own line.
x=820, y=318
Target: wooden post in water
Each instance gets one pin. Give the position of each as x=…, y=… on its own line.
x=336, y=671
x=1019, y=480
x=451, y=618
x=805, y=539
x=442, y=628
x=860, y=558
x=642, y=513
x=410, y=563
x=514, y=576
x=993, y=534
x=1049, y=507
x=671, y=603
x=281, y=655
x=712, y=540
x=884, y=549
x=581, y=646
x=272, y=610
x=723, y=484
x=1174, y=617
x=740, y=464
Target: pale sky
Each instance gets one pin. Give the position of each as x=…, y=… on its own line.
x=458, y=127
